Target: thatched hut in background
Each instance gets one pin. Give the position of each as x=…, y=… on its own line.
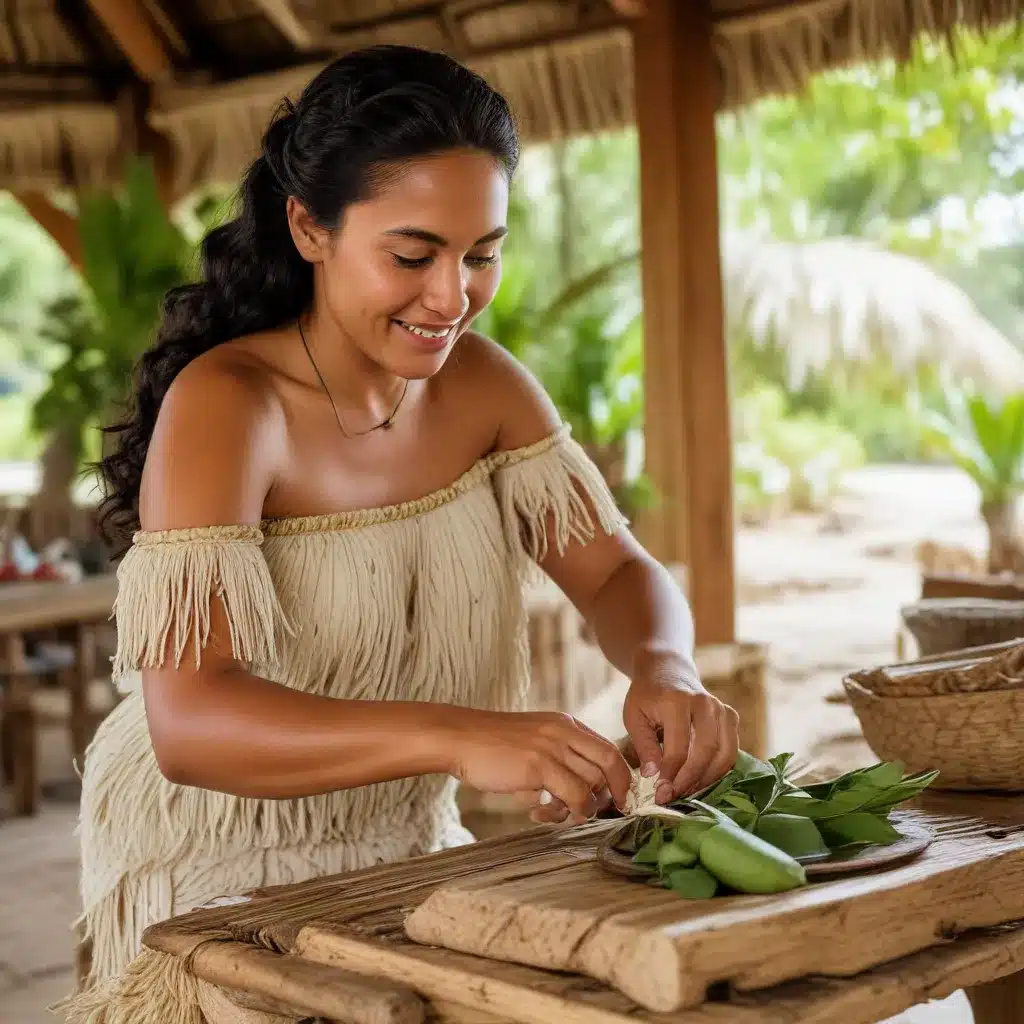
x=85, y=82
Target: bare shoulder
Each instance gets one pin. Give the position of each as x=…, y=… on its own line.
x=505, y=390
x=215, y=449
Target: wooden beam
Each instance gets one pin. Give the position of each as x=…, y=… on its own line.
x=133, y=32
x=629, y=8
x=280, y=14
x=57, y=223
x=687, y=429
x=139, y=138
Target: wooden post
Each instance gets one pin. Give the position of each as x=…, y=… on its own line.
x=60, y=225
x=998, y=1002
x=18, y=727
x=687, y=429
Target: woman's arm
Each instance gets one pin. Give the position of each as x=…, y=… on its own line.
x=218, y=442
x=212, y=461
x=640, y=618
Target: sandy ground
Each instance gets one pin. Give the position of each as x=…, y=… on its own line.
x=825, y=601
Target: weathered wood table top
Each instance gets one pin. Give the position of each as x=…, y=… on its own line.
x=25, y=607
x=587, y=945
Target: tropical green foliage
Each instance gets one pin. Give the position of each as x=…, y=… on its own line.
x=132, y=253
x=984, y=437
x=786, y=461
x=870, y=151
x=574, y=321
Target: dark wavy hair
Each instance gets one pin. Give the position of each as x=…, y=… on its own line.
x=360, y=116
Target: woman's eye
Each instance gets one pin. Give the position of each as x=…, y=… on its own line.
x=410, y=263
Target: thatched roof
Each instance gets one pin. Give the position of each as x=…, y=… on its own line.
x=846, y=300
x=207, y=73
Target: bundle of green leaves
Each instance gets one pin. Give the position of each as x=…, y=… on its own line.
x=755, y=830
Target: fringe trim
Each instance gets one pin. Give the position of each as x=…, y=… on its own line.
x=165, y=585
x=554, y=497
x=155, y=989
x=185, y=845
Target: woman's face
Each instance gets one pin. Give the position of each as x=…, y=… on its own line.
x=409, y=269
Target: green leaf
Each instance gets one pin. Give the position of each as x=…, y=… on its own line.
x=749, y=767
x=648, y=853
x=758, y=789
x=696, y=883
x=795, y=835
x=740, y=802
x=859, y=827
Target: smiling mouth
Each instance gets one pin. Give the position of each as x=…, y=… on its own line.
x=434, y=334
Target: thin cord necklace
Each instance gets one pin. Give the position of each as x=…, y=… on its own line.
x=383, y=425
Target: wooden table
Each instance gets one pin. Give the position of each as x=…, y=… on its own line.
x=35, y=607
x=849, y=951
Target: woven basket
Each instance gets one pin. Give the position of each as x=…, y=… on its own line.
x=992, y=667
x=973, y=739
x=950, y=624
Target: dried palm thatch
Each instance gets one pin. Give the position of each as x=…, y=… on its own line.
x=566, y=67
x=779, y=47
x=556, y=90
x=844, y=299
x=47, y=146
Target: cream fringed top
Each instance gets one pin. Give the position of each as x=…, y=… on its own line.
x=420, y=601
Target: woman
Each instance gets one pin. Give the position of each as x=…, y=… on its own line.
x=335, y=489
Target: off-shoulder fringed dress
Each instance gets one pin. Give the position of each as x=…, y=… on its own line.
x=421, y=601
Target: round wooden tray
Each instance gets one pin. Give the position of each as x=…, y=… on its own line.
x=915, y=840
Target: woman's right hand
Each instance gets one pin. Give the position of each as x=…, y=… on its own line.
x=534, y=752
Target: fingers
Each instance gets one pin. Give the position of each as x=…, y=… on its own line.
x=644, y=735
x=704, y=745
x=613, y=769
x=585, y=769
x=573, y=791
x=551, y=811
x=548, y=812
x=728, y=746
x=678, y=726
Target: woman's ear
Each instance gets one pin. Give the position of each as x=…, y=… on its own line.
x=310, y=239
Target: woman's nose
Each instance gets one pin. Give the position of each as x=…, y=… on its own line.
x=445, y=293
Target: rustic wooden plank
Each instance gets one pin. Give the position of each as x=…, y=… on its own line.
x=374, y=899
x=664, y=952
x=507, y=990
x=462, y=987
x=288, y=985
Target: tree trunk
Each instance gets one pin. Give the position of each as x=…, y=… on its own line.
x=51, y=509
x=1005, y=550
x=566, y=212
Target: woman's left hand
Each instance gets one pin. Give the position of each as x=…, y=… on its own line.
x=700, y=734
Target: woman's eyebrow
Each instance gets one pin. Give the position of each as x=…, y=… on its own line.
x=432, y=238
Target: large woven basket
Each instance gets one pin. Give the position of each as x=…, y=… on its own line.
x=950, y=624
x=973, y=739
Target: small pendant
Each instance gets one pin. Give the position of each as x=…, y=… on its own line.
x=386, y=425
